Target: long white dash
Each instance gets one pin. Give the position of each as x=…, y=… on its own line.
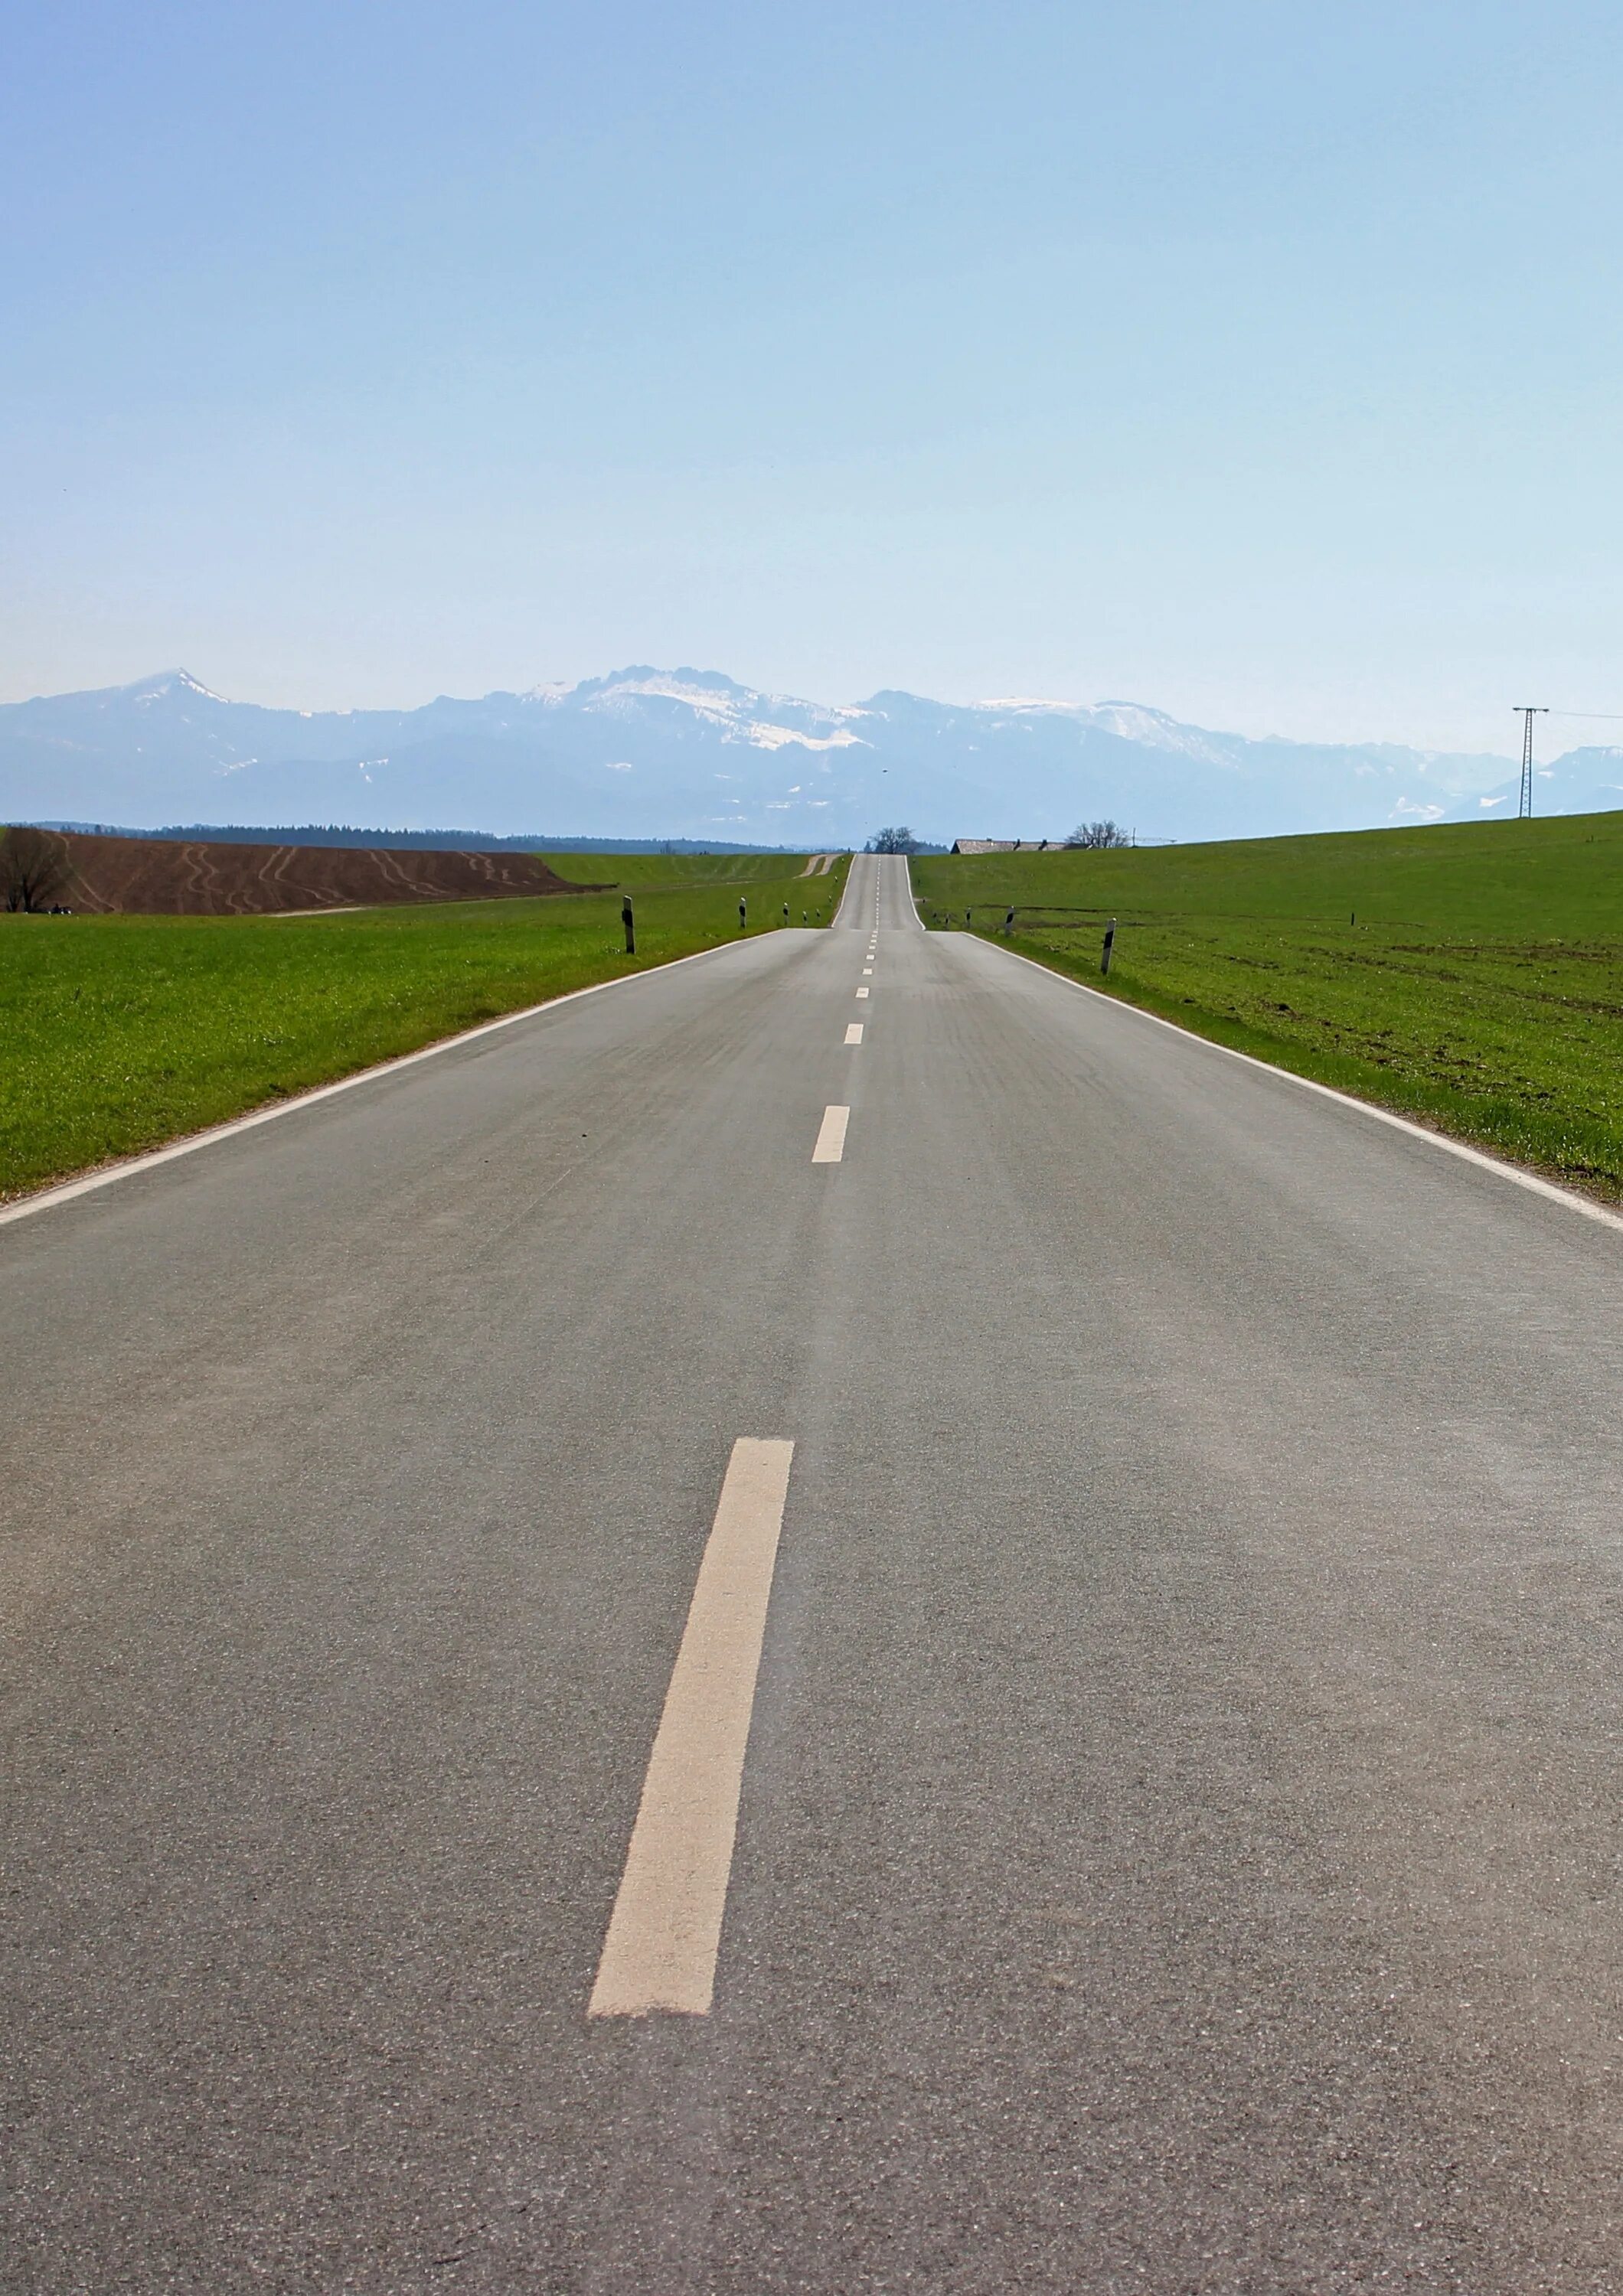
x=831, y=1136
x=665, y=1930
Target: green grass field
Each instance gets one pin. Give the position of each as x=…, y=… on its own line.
x=1480, y=988
x=120, y=1033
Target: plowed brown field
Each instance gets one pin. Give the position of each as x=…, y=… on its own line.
x=169, y=877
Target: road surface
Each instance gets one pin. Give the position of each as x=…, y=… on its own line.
x=1178, y=1844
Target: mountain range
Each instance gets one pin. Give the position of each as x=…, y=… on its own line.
x=691, y=753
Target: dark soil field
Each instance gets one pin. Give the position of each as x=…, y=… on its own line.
x=143, y=876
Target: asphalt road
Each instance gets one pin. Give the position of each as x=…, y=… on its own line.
x=1179, y=1840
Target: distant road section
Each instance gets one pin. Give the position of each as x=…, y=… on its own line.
x=1055, y=1682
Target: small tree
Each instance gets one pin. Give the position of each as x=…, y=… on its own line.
x=891, y=840
x=1096, y=837
x=34, y=868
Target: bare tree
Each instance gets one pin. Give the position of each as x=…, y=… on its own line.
x=1096, y=836
x=891, y=840
x=34, y=868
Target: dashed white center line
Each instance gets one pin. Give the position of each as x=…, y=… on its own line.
x=664, y=1932
x=831, y=1136
x=854, y=1033
x=861, y=992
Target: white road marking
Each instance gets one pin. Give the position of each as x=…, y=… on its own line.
x=664, y=1932
x=861, y=992
x=831, y=1136
x=853, y=1034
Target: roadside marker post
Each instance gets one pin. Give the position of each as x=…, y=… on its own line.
x=786, y=913
x=630, y=922
x=1104, y=961
x=742, y=914
x=1008, y=924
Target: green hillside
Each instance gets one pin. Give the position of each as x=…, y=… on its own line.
x=1470, y=976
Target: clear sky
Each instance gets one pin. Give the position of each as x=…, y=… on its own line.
x=1261, y=362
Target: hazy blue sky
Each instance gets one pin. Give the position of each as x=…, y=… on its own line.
x=1261, y=362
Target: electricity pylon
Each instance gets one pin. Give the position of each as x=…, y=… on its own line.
x=1524, y=811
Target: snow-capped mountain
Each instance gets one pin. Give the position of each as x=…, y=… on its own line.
x=1583, y=781
x=690, y=754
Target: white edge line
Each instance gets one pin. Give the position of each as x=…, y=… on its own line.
x=66, y=1190
x=1529, y=1180
x=846, y=893
x=919, y=912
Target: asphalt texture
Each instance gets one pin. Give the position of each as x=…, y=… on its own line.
x=1179, y=1840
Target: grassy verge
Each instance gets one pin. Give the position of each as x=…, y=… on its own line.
x=1470, y=977
x=122, y=1032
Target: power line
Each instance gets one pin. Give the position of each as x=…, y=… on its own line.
x=1524, y=810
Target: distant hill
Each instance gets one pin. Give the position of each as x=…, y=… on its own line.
x=648, y=755
x=1584, y=780
x=406, y=841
